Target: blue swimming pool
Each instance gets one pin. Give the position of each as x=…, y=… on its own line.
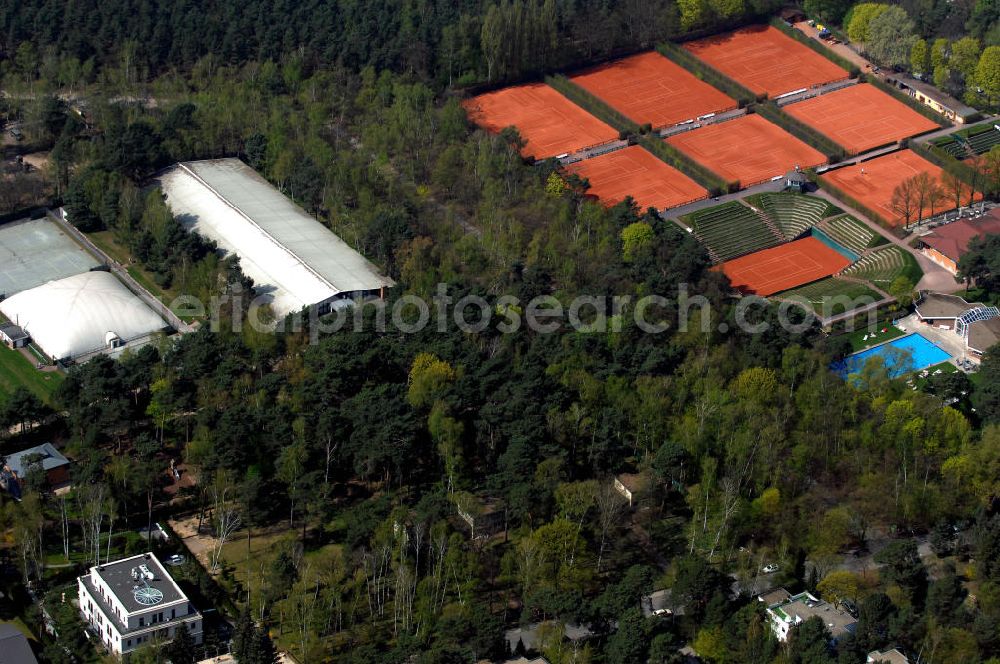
x=903, y=355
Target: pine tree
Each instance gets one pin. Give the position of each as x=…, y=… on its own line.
x=265, y=652
x=181, y=649
x=244, y=636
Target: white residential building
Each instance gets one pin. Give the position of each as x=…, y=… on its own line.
x=133, y=601
x=786, y=611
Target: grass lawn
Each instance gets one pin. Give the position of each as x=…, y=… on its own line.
x=17, y=371
x=106, y=241
x=945, y=367
x=263, y=548
x=829, y=294
x=858, y=342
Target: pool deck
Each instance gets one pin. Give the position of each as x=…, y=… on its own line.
x=910, y=332
x=947, y=340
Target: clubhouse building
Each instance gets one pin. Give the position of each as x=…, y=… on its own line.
x=977, y=323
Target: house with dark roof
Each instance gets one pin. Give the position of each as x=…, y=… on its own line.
x=932, y=97
x=947, y=244
x=16, y=467
x=894, y=656
x=14, y=646
x=796, y=180
x=942, y=310
x=13, y=336
x=982, y=335
x=632, y=486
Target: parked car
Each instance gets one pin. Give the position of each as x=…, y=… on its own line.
x=770, y=568
x=175, y=560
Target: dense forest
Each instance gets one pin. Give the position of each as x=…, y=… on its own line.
x=450, y=43
x=350, y=457
x=954, y=45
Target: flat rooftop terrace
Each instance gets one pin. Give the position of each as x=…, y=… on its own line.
x=118, y=576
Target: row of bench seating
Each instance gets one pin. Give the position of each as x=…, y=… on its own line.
x=731, y=230
x=880, y=266
x=849, y=232
x=793, y=214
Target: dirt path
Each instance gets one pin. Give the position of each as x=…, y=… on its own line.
x=199, y=544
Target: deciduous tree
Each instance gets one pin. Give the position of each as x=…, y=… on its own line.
x=905, y=200
x=889, y=37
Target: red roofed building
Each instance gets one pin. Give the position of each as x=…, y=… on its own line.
x=947, y=244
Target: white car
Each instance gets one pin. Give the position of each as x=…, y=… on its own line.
x=769, y=569
x=175, y=560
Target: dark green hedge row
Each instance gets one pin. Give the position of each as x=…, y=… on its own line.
x=32, y=212
x=975, y=130
x=852, y=70
x=847, y=198
x=911, y=270
x=925, y=111
x=707, y=73
x=831, y=150
x=674, y=157
x=592, y=104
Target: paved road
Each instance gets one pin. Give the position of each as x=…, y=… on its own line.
x=935, y=278
x=841, y=49
x=677, y=212
x=122, y=272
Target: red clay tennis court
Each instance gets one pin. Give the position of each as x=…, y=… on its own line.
x=749, y=149
x=860, y=117
x=550, y=124
x=764, y=59
x=635, y=172
x=650, y=88
x=786, y=266
x=871, y=182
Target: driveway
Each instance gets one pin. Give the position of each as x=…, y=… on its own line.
x=200, y=545
x=841, y=49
